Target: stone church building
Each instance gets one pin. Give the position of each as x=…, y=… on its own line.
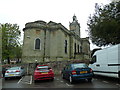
x=51, y=41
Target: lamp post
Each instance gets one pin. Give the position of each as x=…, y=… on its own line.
x=36, y=63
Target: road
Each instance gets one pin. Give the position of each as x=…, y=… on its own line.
x=28, y=82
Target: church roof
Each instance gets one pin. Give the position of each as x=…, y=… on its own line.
x=49, y=26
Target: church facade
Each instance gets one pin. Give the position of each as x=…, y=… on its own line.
x=51, y=41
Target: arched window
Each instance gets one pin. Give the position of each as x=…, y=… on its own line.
x=37, y=43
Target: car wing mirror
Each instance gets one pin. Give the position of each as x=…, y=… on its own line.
x=49, y=68
x=22, y=67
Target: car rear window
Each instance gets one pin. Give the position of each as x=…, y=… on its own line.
x=79, y=66
x=14, y=68
x=42, y=68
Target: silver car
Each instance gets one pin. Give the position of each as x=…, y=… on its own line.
x=15, y=72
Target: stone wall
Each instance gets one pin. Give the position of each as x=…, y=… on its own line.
x=57, y=66
x=52, y=37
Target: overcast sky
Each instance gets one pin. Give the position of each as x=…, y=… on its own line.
x=59, y=11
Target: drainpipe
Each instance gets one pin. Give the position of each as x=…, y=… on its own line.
x=70, y=48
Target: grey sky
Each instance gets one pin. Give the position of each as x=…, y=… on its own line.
x=59, y=11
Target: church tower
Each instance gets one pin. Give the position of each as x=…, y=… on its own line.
x=75, y=26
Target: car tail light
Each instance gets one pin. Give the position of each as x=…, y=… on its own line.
x=73, y=72
x=90, y=70
x=37, y=71
x=7, y=71
x=17, y=71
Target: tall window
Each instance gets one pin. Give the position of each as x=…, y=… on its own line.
x=65, y=46
x=37, y=43
x=78, y=49
x=81, y=49
x=75, y=47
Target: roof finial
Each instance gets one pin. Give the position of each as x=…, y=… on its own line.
x=74, y=18
x=74, y=14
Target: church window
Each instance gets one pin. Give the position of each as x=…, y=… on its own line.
x=75, y=47
x=78, y=48
x=65, y=46
x=37, y=43
x=81, y=49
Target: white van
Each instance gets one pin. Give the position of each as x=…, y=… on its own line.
x=106, y=62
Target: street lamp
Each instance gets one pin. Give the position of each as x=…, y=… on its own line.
x=35, y=61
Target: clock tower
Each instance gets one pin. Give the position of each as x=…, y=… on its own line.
x=75, y=26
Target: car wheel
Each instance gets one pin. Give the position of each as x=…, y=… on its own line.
x=24, y=74
x=119, y=77
x=35, y=81
x=20, y=76
x=6, y=78
x=89, y=79
x=70, y=80
x=52, y=79
x=63, y=76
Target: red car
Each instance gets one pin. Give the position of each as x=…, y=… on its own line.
x=43, y=72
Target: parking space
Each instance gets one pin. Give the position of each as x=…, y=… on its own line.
x=28, y=82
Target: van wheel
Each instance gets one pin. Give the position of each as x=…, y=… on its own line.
x=119, y=77
x=63, y=76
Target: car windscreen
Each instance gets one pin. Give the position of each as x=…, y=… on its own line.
x=79, y=66
x=42, y=68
